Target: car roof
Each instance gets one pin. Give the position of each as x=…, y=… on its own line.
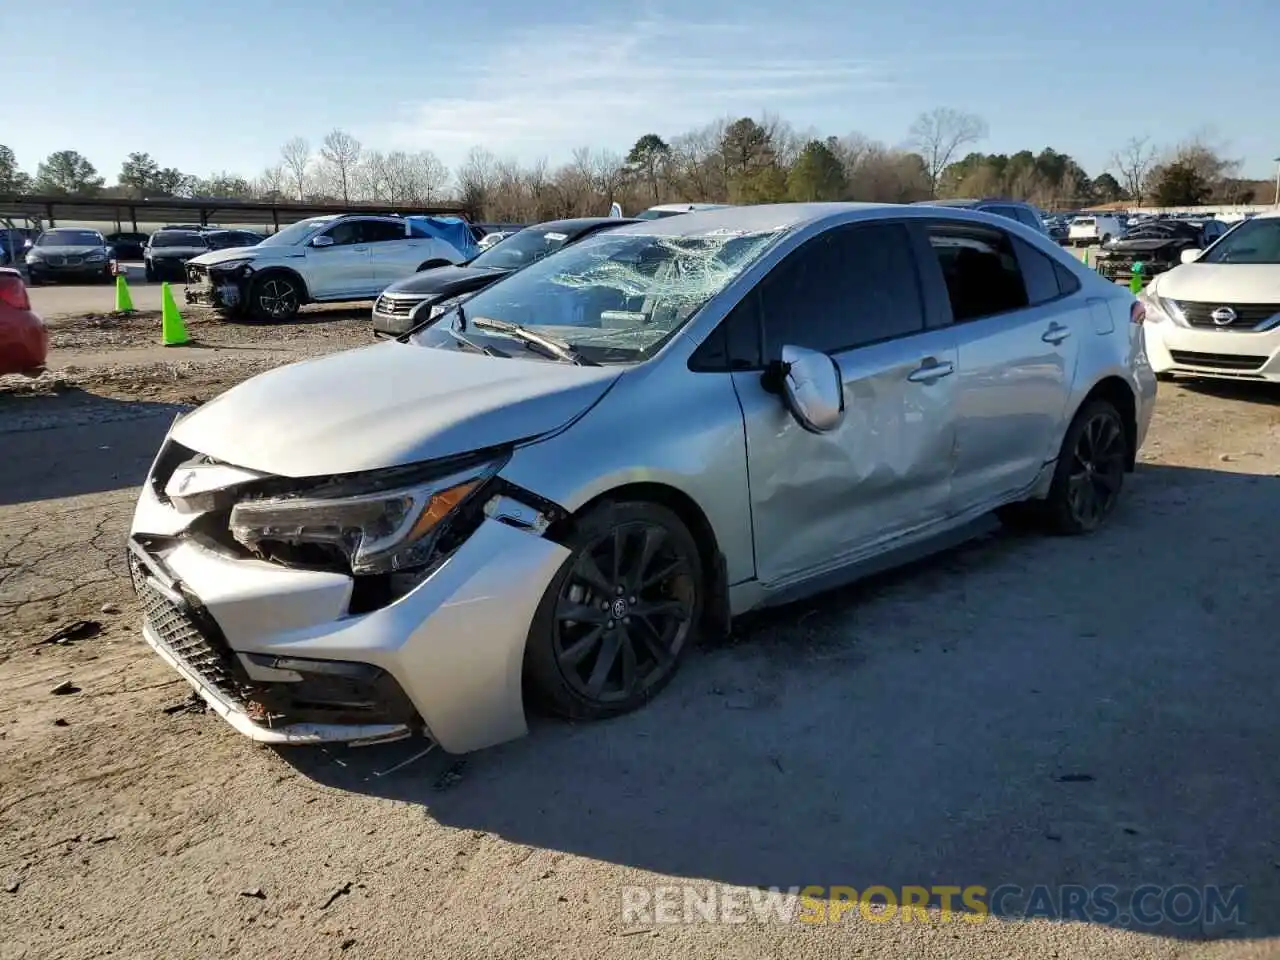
x=970, y=202
x=784, y=217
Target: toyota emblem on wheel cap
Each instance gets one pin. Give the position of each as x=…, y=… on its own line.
x=1223, y=316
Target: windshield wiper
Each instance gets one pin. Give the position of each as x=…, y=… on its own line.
x=557, y=349
x=468, y=342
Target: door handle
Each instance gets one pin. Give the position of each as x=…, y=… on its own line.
x=1056, y=333
x=930, y=371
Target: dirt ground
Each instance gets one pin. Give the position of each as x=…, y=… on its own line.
x=1022, y=711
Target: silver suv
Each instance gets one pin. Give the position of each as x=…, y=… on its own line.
x=562, y=482
x=331, y=258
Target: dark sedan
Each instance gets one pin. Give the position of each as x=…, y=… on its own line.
x=227, y=239
x=1157, y=245
x=442, y=287
x=168, y=251
x=69, y=254
x=128, y=246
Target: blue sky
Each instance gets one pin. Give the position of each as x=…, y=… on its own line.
x=213, y=86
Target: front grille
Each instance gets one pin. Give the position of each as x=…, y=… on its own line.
x=396, y=306
x=55, y=261
x=1248, y=315
x=183, y=638
x=1217, y=361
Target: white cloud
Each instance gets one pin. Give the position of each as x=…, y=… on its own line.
x=548, y=91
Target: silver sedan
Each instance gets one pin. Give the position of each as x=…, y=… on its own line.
x=556, y=488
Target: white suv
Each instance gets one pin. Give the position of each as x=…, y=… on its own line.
x=1218, y=315
x=321, y=259
x=1094, y=229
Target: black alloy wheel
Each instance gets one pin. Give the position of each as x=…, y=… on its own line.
x=613, y=623
x=1090, y=470
x=275, y=298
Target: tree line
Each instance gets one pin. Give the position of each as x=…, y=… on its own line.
x=744, y=160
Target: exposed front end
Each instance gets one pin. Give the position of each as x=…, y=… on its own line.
x=220, y=286
x=1121, y=266
x=357, y=608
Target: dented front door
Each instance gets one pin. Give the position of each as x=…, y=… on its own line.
x=822, y=500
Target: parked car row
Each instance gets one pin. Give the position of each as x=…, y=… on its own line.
x=630, y=436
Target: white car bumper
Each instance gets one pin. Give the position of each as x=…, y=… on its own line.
x=1235, y=355
x=450, y=651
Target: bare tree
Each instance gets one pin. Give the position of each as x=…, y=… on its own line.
x=296, y=155
x=938, y=136
x=476, y=179
x=430, y=175
x=270, y=183
x=1133, y=162
x=341, y=151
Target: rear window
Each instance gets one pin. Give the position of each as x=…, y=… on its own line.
x=1082, y=222
x=177, y=238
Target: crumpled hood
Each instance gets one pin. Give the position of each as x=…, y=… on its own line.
x=387, y=405
x=245, y=253
x=1222, y=283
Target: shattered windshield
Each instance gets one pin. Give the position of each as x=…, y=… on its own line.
x=613, y=297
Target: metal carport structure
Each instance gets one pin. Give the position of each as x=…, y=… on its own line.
x=124, y=210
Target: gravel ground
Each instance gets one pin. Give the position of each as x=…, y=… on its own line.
x=1023, y=711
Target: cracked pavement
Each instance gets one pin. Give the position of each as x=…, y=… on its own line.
x=928, y=727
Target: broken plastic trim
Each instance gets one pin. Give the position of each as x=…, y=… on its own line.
x=519, y=508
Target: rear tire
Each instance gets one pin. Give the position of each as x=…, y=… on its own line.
x=1089, y=474
x=609, y=631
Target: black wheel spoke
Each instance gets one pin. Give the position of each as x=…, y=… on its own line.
x=605, y=660
x=630, y=671
x=577, y=652
x=654, y=538
x=665, y=572
x=651, y=637
x=619, y=553
x=660, y=608
x=587, y=571
x=580, y=612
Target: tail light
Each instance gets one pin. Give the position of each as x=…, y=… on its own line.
x=1137, y=312
x=13, y=292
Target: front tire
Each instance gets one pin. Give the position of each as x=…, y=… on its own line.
x=274, y=298
x=1089, y=474
x=610, y=629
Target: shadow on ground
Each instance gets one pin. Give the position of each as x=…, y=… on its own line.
x=1250, y=391
x=1025, y=710
x=66, y=442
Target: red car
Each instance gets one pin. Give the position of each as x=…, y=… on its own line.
x=24, y=341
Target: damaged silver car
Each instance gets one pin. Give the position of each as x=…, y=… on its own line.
x=551, y=491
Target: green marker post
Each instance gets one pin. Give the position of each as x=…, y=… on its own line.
x=1135, y=278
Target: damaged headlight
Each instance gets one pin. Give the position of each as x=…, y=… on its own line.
x=441, y=308
x=229, y=266
x=381, y=531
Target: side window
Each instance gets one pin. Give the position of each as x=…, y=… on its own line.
x=849, y=287
x=1038, y=273
x=1068, y=282
x=345, y=233
x=380, y=231
x=981, y=271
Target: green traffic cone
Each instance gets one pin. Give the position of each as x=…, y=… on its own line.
x=1086, y=256
x=1135, y=279
x=124, y=302
x=173, y=332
